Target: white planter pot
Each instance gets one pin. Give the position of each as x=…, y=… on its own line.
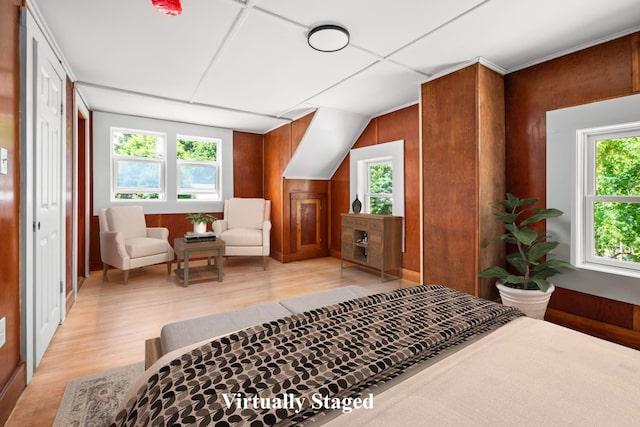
x=533, y=303
x=200, y=227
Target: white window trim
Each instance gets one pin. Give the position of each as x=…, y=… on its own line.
x=390, y=150
x=101, y=179
x=115, y=189
x=582, y=241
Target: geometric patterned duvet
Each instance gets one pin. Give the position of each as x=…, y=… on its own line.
x=293, y=370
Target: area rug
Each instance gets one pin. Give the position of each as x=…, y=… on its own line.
x=92, y=400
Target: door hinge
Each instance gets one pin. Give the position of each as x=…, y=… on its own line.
x=61, y=109
x=61, y=287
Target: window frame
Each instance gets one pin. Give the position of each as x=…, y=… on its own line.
x=116, y=159
x=583, y=233
x=217, y=165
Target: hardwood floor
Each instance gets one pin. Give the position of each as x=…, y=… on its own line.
x=109, y=322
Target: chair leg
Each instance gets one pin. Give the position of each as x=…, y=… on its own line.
x=168, y=267
x=126, y=276
x=264, y=262
x=105, y=268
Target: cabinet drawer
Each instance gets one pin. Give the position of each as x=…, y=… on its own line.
x=376, y=226
x=360, y=224
x=348, y=222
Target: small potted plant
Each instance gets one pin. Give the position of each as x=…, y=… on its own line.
x=199, y=221
x=528, y=289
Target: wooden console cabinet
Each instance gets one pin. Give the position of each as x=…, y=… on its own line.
x=374, y=241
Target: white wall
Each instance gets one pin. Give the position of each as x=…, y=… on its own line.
x=561, y=158
x=102, y=123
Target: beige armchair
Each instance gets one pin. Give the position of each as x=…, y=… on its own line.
x=246, y=228
x=126, y=242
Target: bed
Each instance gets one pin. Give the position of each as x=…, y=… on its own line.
x=414, y=356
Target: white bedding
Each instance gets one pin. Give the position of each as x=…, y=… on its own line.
x=527, y=373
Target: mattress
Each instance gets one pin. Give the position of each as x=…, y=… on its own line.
x=527, y=373
x=499, y=369
x=336, y=353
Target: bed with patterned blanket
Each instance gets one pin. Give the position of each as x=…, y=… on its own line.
x=332, y=360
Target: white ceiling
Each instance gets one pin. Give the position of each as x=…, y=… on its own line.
x=246, y=65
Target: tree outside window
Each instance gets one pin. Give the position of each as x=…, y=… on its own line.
x=379, y=196
x=616, y=205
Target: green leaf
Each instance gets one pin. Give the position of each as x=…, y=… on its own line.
x=524, y=202
x=514, y=279
x=525, y=235
x=544, y=273
x=539, y=250
x=515, y=260
x=494, y=271
x=557, y=263
x=505, y=217
x=543, y=285
x=510, y=202
x=542, y=214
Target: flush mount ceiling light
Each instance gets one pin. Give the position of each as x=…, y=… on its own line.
x=328, y=38
x=168, y=7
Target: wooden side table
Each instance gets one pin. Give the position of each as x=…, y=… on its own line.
x=209, y=249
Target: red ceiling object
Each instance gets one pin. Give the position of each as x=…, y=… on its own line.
x=168, y=7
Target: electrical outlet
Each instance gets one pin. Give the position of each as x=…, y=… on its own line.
x=3, y=331
x=4, y=161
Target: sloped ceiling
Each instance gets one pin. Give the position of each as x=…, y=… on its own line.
x=246, y=65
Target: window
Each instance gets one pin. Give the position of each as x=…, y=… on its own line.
x=377, y=177
x=138, y=167
x=198, y=168
x=379, y=187
x=610, y=201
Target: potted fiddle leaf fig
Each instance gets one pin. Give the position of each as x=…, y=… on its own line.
x=199, y=221
x=528, y=287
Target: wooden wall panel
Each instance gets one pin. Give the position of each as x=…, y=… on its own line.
x=463, y=172
x=293, y=186
x=605, y=71
x=404, y=125
x=593, y=307
x=491, y=173
x=339, y=203
x=600, y=72
x=277, y=145
x=12, y=369
x=247, y=165
x=449, y=177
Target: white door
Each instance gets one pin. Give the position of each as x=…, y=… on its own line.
x=48, y=206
